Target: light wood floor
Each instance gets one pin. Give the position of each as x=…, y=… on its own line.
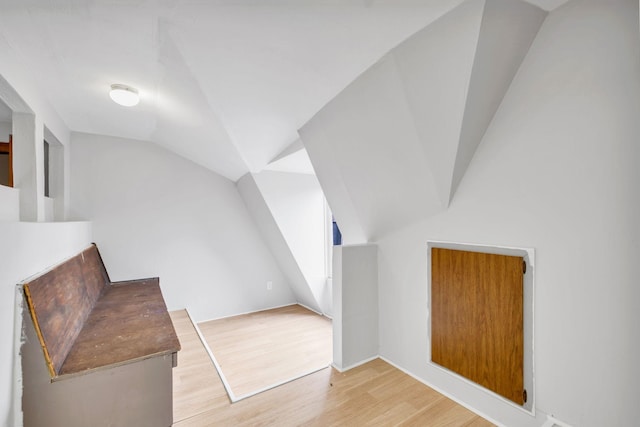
x=373, y=394
x=259, y=350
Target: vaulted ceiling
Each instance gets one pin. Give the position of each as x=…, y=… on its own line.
x=224, y=83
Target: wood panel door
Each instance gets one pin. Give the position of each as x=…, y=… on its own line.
x=6, y=162
x=477, y=318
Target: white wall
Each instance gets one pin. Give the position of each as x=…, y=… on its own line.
x=9, y=204
x=418, y=114
x=557, y=171
x=25, y=250
x=355, y=291
x=297, y=204
x=5, y=131
x=259, y=210
x=157, y=214
x=31, y=114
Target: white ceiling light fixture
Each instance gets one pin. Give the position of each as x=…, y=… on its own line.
x=124, y=95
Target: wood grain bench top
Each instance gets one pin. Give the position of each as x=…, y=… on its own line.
x=84, y=322
x=129, y=322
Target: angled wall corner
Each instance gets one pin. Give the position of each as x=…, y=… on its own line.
x=297, y=205
x=507, y=31
x=316, y=142
x=368, y=157
x=393, y=146
x=435, y=68
x=272, y=234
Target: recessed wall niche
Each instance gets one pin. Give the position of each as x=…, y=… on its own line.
x=481, y=317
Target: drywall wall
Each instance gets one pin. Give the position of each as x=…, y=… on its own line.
x=369, y=195
x=32, y=121
x=556, y=171
x=21, y=95
x=418, y=114
x=508, y=28
x=355, y=292
x=272, y=235
x=5, y=131
x=28, y=165
x=27, y=249
x=157, y=214
x=297, y=205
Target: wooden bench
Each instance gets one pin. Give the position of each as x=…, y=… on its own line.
x=93, y=331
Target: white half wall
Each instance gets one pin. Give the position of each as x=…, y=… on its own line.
x=9, y=204
x=557, y=170
x=27, y=249
x=156, y=214
x=355, y=293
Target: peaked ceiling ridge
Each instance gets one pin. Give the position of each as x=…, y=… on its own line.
x=386, y=103
x=434, y=96
x=436, y=77
x=294, y=147
x=507, y=32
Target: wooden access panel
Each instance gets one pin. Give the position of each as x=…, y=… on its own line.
x=477, y=318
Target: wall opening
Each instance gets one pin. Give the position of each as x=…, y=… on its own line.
x=53, y=168
x=6, y=162
x=46, y=169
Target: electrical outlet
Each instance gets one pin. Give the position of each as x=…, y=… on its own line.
x=269, y=285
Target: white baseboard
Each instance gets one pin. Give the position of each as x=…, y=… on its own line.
x=553, y=422
x=225, y=383
x=439, y=390
x=355, y=365
x=310, y=309
x=249, y=312
x=266, y=309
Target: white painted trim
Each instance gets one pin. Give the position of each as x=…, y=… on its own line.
x=252, y=312
x=310, y=309
x=482, y=388
x=17, y=358
x=455, y=399
x=226, y=384
x=253, y=393
x=552, y=421
x=267, y=309
x=354, y=365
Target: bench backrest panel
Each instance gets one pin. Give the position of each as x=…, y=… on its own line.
x=60, y=301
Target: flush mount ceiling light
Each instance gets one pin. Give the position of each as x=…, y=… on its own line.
x=124, y=95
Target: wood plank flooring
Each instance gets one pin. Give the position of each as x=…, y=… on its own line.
x=259, y=350
x=375, y=393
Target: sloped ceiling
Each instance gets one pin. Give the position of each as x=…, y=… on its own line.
x=223, y=83
x=393, y=146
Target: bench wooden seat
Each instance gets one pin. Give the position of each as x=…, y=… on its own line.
x=129, y=322
x=85, y=322
x=109, y=348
